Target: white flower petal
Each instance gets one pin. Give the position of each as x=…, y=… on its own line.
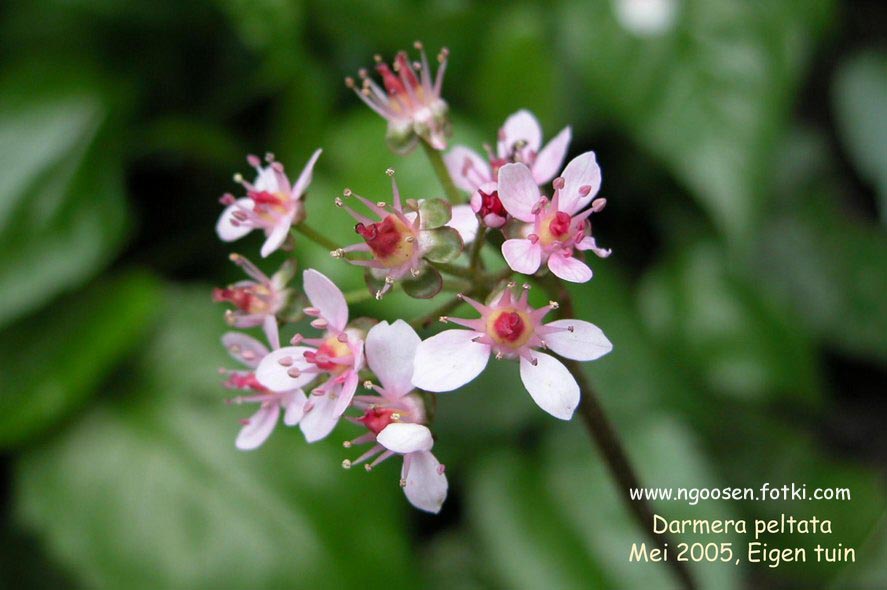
x=259, y=428
x=346, y=393
x=550, y=385
x=464, y=221
x=266, y=181
x=426, y=483
x=405, y=437
x=226, y=230
x=294, y=407
x=585, y=342
x=276, y=377
x=449, y=360
x=569, y=268
x=391, y=352
x=548, y=162
x=522, y=256
x=581, y=171
x=305, y=177
x=522, y=126
x=320, y=420
x=467, y=168
x=277, y=236
x=244, y=349
x=326, y=296
x=518, y=191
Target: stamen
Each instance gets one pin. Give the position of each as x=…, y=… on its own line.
x=389, y=171
x=346, y=464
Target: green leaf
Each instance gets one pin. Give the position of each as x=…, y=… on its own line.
x=737, y=341
x=435, y=213
x=425, y=286
x=180, y=507
x=859, y=95
x=707, y=98
x=65, y=352
x=63, y=214
x=443, y=244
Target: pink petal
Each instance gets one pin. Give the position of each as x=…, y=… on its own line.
x=426, y=483
x=305, y=177
x=276, y=376
x=320, y=420
x=522, y=256
x=269, y=326
x=569, y=268
x=581, y=171
x=390, y=352
x=294, y=407
x=346, y=393
x=277, y=236
x=589, y=243
x=249, y=351
x=518, y=191
x=259, y=427
x=548, y=162
x=449, y=360
x=227, y=231
x=326, y=296
x=464, y=221
x=586, y=342
x=266, y=181
x=550, y=385
x=479, y=171
x=521, y=126
x=405, y=437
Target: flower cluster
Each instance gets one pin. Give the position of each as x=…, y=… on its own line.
x=422, y=246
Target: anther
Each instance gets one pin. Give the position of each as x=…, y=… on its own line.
x=571, y=328
x=346, y=192
x=395, y=416
x=418, y=45
x=443, y=319
x=381, y=204
x=403, y=483
x=554, y=304
x=499, y=355
x=339, y=202
x=286, y=361
x=293, y=372
x=337, y=253
x=389, y=171
x=410, y=239
x=346, y=464
x=296, y=340
x=367, y=384
x=368, y=467
x=347, y=444
x=269, y=157
x=238, y=178
x=349, y=82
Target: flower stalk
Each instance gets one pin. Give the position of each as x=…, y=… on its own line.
x=443, y=175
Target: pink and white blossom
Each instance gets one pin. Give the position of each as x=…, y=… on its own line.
x=509, y=328
x=271, y=204
x=556, y=228
x=396, y=419
x=410, y=100
x=519, y=140
x=257, y=301
x=258, y=427
x=336, y=355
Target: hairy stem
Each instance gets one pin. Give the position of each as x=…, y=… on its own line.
x=315, y=236
x=607, y=440
x=443, y=175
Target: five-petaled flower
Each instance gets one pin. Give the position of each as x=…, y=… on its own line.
x=519, y=141
x=338, y=355
x=258, y=301
x=410, y=100
x=556, y=227
x=272, y=204
x=510, y=328
x=396, y=419
x=258, y=427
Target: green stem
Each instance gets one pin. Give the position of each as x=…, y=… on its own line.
x=604, y=435
x=443, y=175
x=315, y=236
x=359, y=296
x=476, y=247
x=454, y=270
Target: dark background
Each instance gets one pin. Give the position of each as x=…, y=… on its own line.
x=744, y=155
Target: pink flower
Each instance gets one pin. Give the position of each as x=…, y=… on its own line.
x=410, y=101
x=399, y=240
x=559, y=226
x=395, y=419
x=258, y=427
x=338, y=355
x=510, y=328
x=271, y=204
x=520, y=140
x=257, y=301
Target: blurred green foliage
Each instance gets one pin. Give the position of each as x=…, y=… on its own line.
x=753, y=263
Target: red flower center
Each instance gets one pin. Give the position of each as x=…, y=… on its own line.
x=509, y=326
x=490, y=204
x=560, y=225
x=388, y=240
x=376, y=419
x=247, y=299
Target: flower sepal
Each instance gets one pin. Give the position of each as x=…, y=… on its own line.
x=443, y=244
x=425, y=285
